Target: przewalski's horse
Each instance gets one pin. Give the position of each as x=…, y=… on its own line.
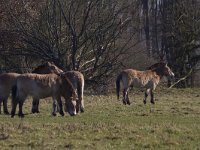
x=76, y=78
x=7, y=80
x=43, y=86
x=148, y=79
x=45, y=68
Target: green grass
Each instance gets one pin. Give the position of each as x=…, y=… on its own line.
x=173, y=123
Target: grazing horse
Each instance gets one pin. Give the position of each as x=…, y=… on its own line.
x=76, y=78
x=7, y=80
x=42, y=86
x=148, y=79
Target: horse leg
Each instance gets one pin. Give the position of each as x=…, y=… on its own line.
x=152, y=97
x=128, y=101
x=145, y=96
x=82, y=108
x=14, y=105
x=78, y=102
x=125, y=96
x=80, y=98
x=54, y=107
x=20, y=114
x=0, y=105
x=5, y=108
x=35, y=105
x=60, y=106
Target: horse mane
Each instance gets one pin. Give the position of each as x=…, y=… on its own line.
x=158, y=68
x=46, y=68
x=41, y=67
x=156, y=65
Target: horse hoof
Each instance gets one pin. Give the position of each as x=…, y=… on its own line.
x=82, y=110
x=144, y=102
x=21, y=115
x=12, y=116
x=124, y=102
x=6, y=113
x=35, y=111
x=62, y=114
x=128, y=103
x=152, y=102
x=53, y=114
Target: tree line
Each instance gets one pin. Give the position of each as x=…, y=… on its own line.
x=100, y=37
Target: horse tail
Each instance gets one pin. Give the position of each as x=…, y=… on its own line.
x=119, y=77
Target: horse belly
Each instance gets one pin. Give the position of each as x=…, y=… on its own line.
x=42, y=92
x=150, y=85
x=137, y=83
x=34, y=90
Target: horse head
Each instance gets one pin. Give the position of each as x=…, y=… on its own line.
x=162, y=69
x=70, y=95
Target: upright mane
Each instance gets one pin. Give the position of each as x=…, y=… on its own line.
x=156, y=65
x=48, y=67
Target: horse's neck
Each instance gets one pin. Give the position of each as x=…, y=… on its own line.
x=158, y=72
x=152, y=75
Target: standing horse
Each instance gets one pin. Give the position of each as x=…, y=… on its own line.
x=76, y=78
x=7, y=80
x=45, y=68
x=148, y=79
x=42, y=86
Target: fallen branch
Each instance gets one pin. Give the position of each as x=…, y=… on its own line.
x=181, y=79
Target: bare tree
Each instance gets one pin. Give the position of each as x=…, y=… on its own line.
x=77, y=35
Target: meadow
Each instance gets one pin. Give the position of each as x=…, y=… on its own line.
x=172, y=123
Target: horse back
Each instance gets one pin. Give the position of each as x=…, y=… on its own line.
x=138, y=78
x=38, y=85
x=7, y=80
x=76, y=78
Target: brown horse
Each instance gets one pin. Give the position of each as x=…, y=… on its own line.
x=42, y=86
x=45, y=68
x=76, y=78
x=148, y=79
x=7, y=80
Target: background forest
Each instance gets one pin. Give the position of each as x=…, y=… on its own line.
x=101, y=37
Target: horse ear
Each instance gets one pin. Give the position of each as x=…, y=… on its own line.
x=48, y=63
x=52, y=63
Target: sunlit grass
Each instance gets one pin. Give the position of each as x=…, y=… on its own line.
x=173, y=123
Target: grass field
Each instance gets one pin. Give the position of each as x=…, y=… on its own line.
x=173, y=123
